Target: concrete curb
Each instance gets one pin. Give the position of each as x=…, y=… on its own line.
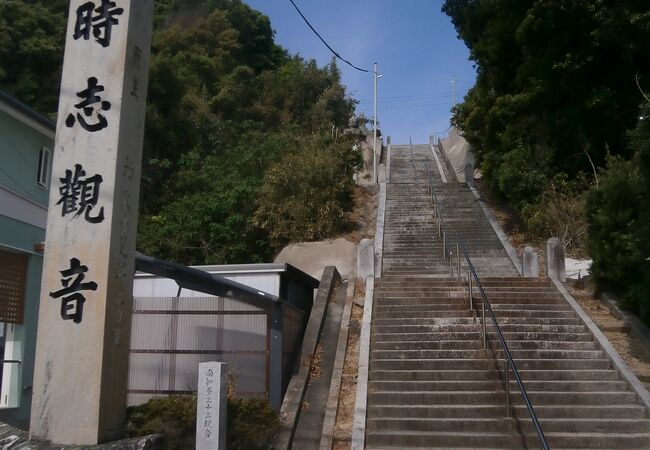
x=450, y=167
x=329, y=422
x=361, y=403
x=636, y=326
x=442, y=172
x=388, y=164
x=626, y=373
x=292, y=403
x=379, y=232
x=496, y=226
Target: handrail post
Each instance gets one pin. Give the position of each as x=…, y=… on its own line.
x=484, y=329
x=469, y=280
x=458, y=259
x=507, y=387
x=444, y=244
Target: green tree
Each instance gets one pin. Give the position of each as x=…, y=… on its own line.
x=618, y=212
x=225, y=103
x=31, y=51
x=555, y=88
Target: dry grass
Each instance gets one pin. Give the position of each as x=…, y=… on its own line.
x=348, y=391
x=627, y=344
x=314, y=369
x=363, y=218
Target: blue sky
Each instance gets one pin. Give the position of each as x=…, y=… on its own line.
x=413, y=42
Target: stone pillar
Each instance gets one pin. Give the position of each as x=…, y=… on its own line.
x=431, y=139
x=387, y=140
x=469, y=173
x=84, y=324
x=211, y=406
x=555, y=259
x=530, y=263
x=366, y=258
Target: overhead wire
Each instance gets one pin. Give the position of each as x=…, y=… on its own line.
x=334, y=52
x=438, y=94
x=410, y=100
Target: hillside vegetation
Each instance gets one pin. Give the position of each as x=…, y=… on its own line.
x=240, y=157
x=560, y=124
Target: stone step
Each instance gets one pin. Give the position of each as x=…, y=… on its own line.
x=589, y=425
x=434, y=375
x=498, y=385
x=450, y=304
x=498, y=410
x=484, y=364
x=461, y=311
x=428, y=337
x=437, y=397
x=494, y=439
x=532, y=307
x=576, y=398
x=445, y=343
x=477, y=335
x=442, y=344
x=471, y=353
x=498, y=397
x=441, y=424
x=522, y=313
x=440, y=439
x=453, y=319
x=504, y=423
x=591, y=440
x=607, y=374
x=547, y=345
x=438, y=364
x=503, y=321
x=442, y=328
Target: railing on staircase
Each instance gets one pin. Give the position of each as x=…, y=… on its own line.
x=415, y=169
x=444, y=232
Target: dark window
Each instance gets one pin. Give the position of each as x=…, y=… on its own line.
x=43, y=166
x=13, y=275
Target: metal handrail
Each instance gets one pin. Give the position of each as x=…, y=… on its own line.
x=415, y=170
x=460, y=247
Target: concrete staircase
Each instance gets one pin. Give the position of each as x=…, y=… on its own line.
x=411, y=242
x=431, y=382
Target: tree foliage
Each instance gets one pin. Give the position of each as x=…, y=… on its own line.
x=618, y=212
x=225, y=105
x=31, y=51
x=558, y=90
x=555, y=86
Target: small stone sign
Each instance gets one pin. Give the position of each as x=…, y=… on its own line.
x=211, y=406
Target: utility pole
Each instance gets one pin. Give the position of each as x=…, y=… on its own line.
x=374, y=146
x=453, y=90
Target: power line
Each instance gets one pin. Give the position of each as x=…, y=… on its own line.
x=414, y=98
x=391, y=108
x=323, y=40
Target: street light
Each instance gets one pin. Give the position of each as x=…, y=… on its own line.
x=374, y=146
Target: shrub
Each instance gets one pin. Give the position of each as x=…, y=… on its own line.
x=251, y=423
x=618, y=240
x=619, y=223
x=173, y=416
x=559, y=212
x=307, y=194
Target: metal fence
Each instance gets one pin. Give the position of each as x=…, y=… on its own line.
x=171, y=335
